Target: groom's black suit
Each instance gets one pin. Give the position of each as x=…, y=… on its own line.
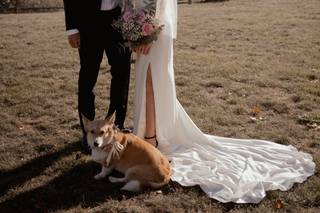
x=96, y=37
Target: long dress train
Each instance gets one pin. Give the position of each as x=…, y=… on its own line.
x=227, y=169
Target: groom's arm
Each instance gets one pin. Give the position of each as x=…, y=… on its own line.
x=71, y=11
x=71, y=20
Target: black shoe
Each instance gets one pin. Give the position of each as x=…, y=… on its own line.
x=85, y=146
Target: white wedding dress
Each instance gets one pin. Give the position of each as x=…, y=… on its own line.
x=228, y=170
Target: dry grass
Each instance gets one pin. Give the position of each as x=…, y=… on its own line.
x=229, y=57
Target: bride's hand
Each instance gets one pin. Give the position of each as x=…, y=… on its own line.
x=143, y=49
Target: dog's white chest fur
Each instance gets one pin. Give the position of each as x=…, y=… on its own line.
x=99, y=156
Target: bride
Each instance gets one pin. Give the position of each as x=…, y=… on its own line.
x=227, y=169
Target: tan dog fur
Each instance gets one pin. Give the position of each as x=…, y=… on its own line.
x=142, y=164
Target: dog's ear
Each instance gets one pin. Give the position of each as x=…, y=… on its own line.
x=85, y=122
x=111, y=119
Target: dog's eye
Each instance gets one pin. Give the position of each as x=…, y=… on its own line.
x=102, y=132
x=92, y=132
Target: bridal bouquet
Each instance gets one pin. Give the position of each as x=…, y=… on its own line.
x=137, y=27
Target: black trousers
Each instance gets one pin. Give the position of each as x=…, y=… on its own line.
x=97, y=39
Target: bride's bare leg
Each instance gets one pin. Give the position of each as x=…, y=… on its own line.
x=150, y=110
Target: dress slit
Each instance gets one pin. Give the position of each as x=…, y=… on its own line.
x=145, y=96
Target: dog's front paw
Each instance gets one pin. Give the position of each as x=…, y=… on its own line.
x=99, y=176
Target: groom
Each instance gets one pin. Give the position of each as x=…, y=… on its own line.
x=88, y=25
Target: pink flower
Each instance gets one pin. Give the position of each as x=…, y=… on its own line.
x=147, y=29
x=127, y=16
x=141, y=17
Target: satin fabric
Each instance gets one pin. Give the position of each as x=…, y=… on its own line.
x=226, y=169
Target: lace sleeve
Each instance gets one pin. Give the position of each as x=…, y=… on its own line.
x=150, y=6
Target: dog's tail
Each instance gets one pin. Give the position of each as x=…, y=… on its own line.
x=166, y=178
x=155, y=185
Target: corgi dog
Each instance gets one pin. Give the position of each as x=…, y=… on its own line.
x=141, y=163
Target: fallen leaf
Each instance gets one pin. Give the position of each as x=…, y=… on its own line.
x=255, y=110
x=279, y=204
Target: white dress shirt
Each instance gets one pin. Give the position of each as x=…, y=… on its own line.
x=105, y=6
x=109, y=4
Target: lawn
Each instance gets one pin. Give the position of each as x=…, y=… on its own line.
x=243, y=69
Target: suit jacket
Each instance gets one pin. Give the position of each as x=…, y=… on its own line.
x=80, y=13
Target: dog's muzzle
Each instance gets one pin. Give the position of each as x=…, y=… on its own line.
x=96, y=144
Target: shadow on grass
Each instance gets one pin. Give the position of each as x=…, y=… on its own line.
x=18, y=176
x=76, y=187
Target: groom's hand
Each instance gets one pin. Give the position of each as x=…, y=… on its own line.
x=74, y=40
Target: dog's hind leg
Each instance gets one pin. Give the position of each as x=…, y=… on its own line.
x=132, y=186
x=104, y=172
